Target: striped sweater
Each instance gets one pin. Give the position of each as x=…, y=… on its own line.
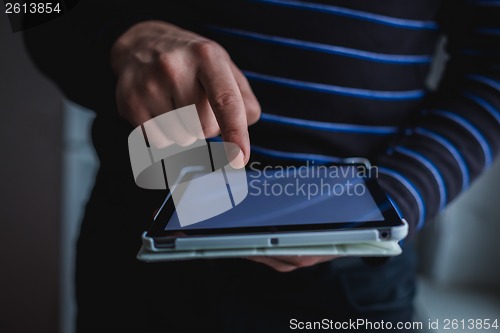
x=335, y=78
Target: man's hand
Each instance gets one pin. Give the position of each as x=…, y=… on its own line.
x=291, y=263
x=161, y=67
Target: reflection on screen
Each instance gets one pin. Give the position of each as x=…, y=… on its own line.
x=295, y=197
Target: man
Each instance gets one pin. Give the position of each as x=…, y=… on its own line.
x=328, y=79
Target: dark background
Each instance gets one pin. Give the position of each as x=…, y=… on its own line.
x=46, y=170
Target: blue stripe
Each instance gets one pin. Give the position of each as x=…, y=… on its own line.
x=489, y=31
x=331, y=49
x=331, y=89
x=485, y=80
x=453, y=151
x=484, y=2
x=296, y=156
x=484, y=104
x=330, y=127
x=412, y=189
x=488, y=155
x=217, y=138
x=352, y=13
x=432, y=168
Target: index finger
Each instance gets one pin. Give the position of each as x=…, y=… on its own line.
x=225, y=98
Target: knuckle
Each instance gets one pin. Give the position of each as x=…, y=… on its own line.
x=227, y=100
x=164, y=59
x=167, y=64
x=164, y=62
x=170, y=73
x=206, y=48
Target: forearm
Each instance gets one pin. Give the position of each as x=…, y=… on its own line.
x=457, y=136
x=74, y=51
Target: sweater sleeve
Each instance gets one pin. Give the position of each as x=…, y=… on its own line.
x=456, y=135
x=74, y=49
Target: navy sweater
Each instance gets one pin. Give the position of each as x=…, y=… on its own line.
x=334, y=79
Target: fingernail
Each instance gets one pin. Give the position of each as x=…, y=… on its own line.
x=239, y=161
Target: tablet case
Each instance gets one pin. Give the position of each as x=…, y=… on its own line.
x=365, y=249
x=375, y=248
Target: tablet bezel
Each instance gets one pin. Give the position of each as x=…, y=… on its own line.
x=391, y=219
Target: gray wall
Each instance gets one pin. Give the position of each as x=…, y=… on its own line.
x=30, y=168
x=80, y=165
x=466, y=237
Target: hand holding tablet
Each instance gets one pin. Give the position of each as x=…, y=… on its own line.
x=215, y=210
x=315, y=211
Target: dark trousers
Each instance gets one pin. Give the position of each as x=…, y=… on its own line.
x=117, y=293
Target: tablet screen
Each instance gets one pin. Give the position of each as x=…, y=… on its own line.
x=295, y=196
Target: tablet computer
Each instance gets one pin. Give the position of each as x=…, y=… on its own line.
x=310, y=206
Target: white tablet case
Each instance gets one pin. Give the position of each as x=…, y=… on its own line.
x=365, y=249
